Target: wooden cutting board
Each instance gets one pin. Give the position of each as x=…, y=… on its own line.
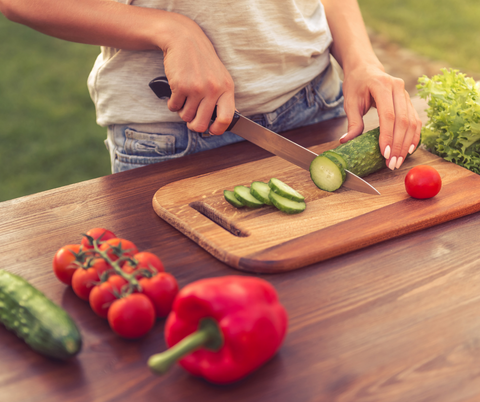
x=268, y=241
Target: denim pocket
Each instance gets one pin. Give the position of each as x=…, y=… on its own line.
x=328, y=91
x=285, y=110
x=131, y=148
x=147, y=144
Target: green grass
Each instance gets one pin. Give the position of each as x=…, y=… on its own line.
x=443, y=30
x=48, y=134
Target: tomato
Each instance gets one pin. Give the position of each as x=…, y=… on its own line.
x=161, y=289
x=100, y=265
x=144, y=261
x=98, y=234
x=104, y=294
x=86, y=277
x=64, y=262
x=117, y=247
x=423, y=181
x=131, y=316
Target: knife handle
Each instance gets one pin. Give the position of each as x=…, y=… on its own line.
x=161, y=88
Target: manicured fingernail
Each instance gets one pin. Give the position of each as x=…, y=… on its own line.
x=399, y=163
x=411, y=149
x=386, y=153
x=343, y=136
x=392, y=163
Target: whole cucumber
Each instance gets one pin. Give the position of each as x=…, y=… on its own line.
x=362, y=153
x=43, y=325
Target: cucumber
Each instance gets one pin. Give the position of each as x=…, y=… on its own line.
x=260, y=191
x=43, y=325
x=230, y=197
x=286, y=205
x=285, y=190
x=327, y=173
x=242, y=193
x=362, y=153
x=362, y=156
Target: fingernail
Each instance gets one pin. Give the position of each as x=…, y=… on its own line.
x=386, y=153
x=392, y=163
x=343, y=136
x=399, y=163
x=411, y=149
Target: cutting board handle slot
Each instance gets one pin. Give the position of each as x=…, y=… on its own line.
x=218, y=218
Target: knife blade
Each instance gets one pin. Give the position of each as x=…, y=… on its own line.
x=271, y=141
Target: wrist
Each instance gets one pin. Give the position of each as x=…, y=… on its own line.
x=362, y=62
x=173, y=28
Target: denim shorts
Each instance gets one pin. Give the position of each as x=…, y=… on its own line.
x=135, y=145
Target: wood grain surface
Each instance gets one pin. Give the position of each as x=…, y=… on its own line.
x=392, y=322
x=269, y=241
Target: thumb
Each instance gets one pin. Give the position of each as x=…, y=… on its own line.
x=355, y=125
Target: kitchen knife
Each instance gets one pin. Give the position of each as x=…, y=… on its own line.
x=270, y=141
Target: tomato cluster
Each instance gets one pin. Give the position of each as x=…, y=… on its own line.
x=127, y=287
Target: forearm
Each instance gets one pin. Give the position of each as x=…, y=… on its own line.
x=351, y=44
x=366, y=84
x=95, y=22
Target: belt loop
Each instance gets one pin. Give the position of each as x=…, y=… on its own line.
x=310, y=94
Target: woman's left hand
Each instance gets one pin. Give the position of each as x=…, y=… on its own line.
x=368, y=86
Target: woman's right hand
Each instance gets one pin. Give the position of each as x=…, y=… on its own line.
x=198, y=79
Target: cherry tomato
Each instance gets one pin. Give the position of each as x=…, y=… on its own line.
x=132, y=316
x=144, y=261
x=98, y=234
x=102, y=296
x=161, y=289
x=64, y=260
x=88, y=276
x=117, y=247
x=422, y=182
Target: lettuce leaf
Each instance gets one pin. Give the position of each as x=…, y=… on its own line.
x=453, y=127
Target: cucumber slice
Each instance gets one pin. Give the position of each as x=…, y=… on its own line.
x=286, y=205
x=327, y=174
x=338, y=157
x=260, y=191
x=243, y=194
x=230, y=197
x=285, y=190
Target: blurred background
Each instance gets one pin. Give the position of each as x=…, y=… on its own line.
x=48, y=134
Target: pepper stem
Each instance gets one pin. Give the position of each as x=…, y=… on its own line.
x=208, y=336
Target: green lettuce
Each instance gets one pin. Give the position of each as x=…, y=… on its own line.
x=453, y=127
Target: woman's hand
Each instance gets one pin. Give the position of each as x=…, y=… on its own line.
x=367, y=86
x=198, y=79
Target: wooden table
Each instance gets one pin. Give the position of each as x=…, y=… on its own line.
x=397, y=321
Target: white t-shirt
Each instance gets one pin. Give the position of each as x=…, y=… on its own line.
x=271, y=48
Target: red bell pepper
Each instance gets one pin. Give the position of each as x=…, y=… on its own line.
x=223, y=328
